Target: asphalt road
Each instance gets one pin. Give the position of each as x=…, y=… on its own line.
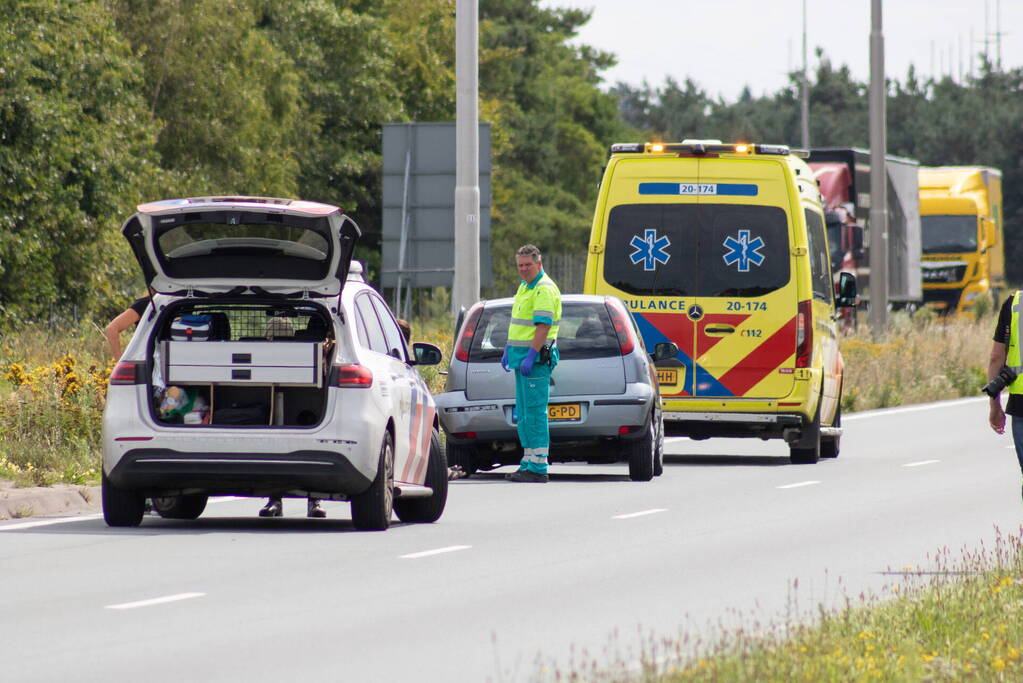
x=514, y=577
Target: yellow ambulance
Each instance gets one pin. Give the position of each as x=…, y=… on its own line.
x=721, y=248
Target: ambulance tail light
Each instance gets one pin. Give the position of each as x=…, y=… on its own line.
x=804, y=335
x=127, y=372
x=464, y=342
x=622, y=328
x=352, y=376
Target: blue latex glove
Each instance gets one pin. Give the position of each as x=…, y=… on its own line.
x=504, y=361
x=526, y=366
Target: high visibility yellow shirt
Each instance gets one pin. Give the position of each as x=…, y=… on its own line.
x=536, y=302
x=1012, y=356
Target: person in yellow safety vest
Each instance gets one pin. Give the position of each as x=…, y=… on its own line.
x=1006, y=352
x=532, y=353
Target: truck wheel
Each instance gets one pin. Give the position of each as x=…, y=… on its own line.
x=830, y=444
x=428, y=509
x=463, y=456
x=807, y=450
x=121, y=508
x=642, y=455
x=371, y=509
x=180, y=507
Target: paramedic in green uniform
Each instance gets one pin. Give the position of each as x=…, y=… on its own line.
x=532, y=354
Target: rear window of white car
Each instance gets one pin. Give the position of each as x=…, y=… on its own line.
x=585, y=331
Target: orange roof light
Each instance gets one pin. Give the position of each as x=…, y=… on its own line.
x=657, y=147
x=741, y=148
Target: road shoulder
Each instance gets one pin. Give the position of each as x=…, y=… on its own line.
x=39, y=501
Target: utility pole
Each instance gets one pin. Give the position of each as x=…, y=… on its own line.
x=878, y=178
x=806, y=90
x=466, y=287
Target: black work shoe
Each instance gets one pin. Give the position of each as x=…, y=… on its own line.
x=313, y=509
x=273, y=508
x=527, y=476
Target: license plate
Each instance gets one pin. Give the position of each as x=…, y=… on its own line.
x=667, y=376
x=564, y=412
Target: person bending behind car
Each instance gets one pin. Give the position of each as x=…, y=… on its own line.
x=531, y=352
x=1005, y=351
x=124, y=320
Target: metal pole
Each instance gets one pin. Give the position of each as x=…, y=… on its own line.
x=466, y=288
x=806, y=90
x=878, y=178
x=403, y=243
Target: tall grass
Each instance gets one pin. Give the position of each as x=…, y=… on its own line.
x=919, y=359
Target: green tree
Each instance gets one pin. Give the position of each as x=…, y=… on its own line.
x=76, y=150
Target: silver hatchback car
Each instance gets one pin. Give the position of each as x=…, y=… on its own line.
x=605, y=404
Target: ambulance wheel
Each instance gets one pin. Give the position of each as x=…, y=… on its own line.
x=830, y=444
x=371, y=509
x=463, y=456
x=807, y=450
x=121, y=508
x=428, y=509
x=643, y=454
x=180, y=507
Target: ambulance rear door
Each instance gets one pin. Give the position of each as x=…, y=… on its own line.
x=746, y=297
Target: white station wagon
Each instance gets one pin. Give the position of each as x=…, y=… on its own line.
x=264, y=367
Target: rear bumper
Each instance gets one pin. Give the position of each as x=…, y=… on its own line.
x=491, y=420
x=704, y=425
x=163, y=471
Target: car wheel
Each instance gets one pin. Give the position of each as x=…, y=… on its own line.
x=180, y=507
x=659, y=453
x=642, y=455
x=428, y=509
x=121, y=508
x=371, y=509
x=830, y=444
x=463, y=456
x=807, y=450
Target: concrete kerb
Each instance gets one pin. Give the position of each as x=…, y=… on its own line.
x=40, y=501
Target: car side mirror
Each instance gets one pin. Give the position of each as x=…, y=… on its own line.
x=664, y=351
x=426, y=354
x=846, y=297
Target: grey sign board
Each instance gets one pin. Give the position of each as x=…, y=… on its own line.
x=419, y=204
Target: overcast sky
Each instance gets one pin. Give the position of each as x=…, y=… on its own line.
x=726, y=44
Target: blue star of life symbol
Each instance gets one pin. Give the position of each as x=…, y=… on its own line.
x=743, y=251
x=650, y=249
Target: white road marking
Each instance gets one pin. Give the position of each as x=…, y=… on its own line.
x=912, y=409
x=922, y=462
x=798, y=484
x=630, y=515
x=47, y=522
x=155, y=601
x=436, y=551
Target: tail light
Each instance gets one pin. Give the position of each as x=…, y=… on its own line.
x=352, y=376
x=622, y=328
x=629, y=429
x=804, y=335
x=464, y=342
x=127, y=372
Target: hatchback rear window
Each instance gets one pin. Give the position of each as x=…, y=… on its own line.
x=243, y=244
x=585, y=331
x=697, y=249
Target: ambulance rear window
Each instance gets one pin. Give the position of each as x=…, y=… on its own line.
x=697, y=249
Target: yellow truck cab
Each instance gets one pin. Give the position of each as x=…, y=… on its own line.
x=721, y=249
x=963, y=259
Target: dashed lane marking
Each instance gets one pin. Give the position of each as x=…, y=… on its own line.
x=642, y=513
x=435, y=551
x=156, y=601
x=798, y=484
x=922, y=462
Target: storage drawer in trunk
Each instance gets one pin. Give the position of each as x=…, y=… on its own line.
x=243, y=362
